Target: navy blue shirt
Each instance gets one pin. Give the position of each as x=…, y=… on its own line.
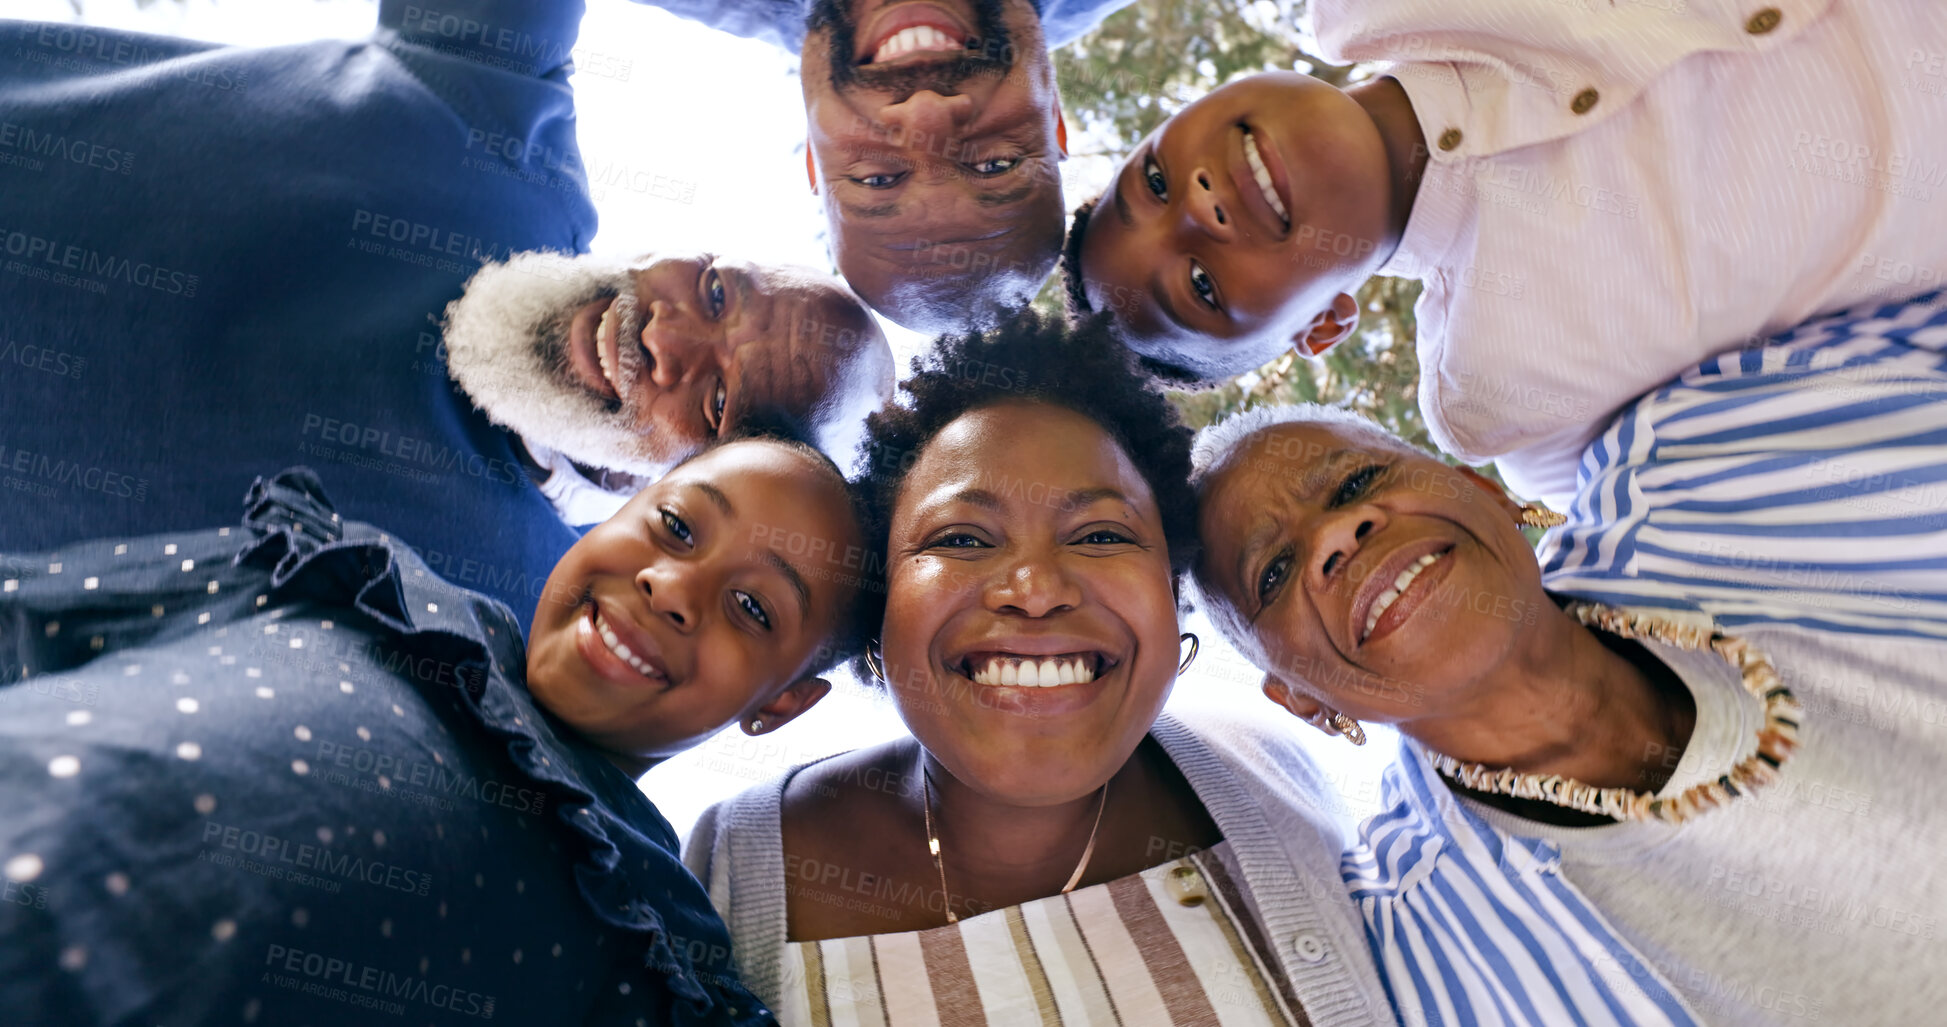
x=781, y=22
x=216, y=262
x=281, y=773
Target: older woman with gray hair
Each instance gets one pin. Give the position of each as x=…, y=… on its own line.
x=1708, y=803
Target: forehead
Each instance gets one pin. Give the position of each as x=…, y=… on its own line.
x=1024, y=450
x=766, y=480
x=1284, y=456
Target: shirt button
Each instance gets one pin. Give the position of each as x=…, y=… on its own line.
x=1187, y=885
x=1450, y=139
x=1308, y=947
x=1584, y=100
x=1764, y=21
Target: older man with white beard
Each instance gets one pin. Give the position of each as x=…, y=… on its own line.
x=219, y=262
x=623, y=365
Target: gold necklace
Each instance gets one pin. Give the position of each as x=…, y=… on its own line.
x=1777, y=739
x=939, y=863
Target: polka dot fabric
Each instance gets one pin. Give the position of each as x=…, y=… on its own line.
x=313, y=789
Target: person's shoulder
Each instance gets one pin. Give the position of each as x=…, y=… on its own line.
x=1259, y=751
x=817, y=786
x=1228, y=728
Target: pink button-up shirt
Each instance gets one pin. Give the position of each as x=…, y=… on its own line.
x=1618, y=189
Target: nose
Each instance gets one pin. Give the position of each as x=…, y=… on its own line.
x=1203, y=209
x=926, y=120
x=1034, y=585
x=1337, y=538
x=674, y=343
x=671, y=590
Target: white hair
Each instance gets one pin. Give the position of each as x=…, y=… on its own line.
x=506, y=341
x=1215, y=443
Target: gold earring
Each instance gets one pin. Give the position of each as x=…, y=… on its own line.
x=1195, y=644
x=1348, y=727
x=1535, y=515
x=872, y=662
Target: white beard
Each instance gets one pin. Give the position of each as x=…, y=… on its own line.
x=506, y=344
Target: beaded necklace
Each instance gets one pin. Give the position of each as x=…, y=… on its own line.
x=1777, y=739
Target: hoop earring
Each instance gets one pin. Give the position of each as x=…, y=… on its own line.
x=1348, y=727
x=1535, y=515
x=1195, y=645
x=755, y=727
x=872, y=661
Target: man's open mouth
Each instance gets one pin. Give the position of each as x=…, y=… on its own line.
x=593, y=360
x=1014, y=671
x=915, y=33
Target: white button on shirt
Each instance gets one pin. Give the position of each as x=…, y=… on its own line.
x=1615, y=192
x=1308, y=947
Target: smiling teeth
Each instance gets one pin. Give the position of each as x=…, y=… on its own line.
x=919, y=37
x=1386, y=598
x=1021, y=672
x=605, y=343
x=621, y=651
x=1263, y=175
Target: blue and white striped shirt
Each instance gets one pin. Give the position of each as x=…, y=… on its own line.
x=1803, y=483
x=1473, y=927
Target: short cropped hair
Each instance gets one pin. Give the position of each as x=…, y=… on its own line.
x=1080, y=366
x=1215, y=443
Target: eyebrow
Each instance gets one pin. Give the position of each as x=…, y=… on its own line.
x=716, y=496
x=1159, y=289
x=1003, y=199
x=1122, y=211
x=883, y=210
x=1316, y=478
x=1083, y=497
x=977, y=497
x=791, y=575
x=1247, y=554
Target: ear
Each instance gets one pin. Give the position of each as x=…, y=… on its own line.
x=810, y=169
x=1298, y=704
x=797, y=697
x=1061, y=131
x=1329, y=328
x=1495, y=492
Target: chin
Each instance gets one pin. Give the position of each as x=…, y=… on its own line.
x=506, y=340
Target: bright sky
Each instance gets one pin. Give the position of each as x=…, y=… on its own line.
x=697, y=106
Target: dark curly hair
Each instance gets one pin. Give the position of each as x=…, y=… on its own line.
x=1074, y=290
x=1079, y=365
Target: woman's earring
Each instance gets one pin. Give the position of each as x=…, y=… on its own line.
x=1535, y=515
x=872, y=662
x=1348, y=727
x=1195, y=644
x=756, y=726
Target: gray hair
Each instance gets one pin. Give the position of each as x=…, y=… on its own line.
x=1215, y=443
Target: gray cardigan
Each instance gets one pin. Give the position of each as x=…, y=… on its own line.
x=1268, y=799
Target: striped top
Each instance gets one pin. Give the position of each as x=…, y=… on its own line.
x=1168, y=946
x=1473, y=927
x=1616, y=191
x=1804, y=482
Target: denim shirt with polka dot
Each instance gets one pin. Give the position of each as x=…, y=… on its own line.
x=283, y=773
